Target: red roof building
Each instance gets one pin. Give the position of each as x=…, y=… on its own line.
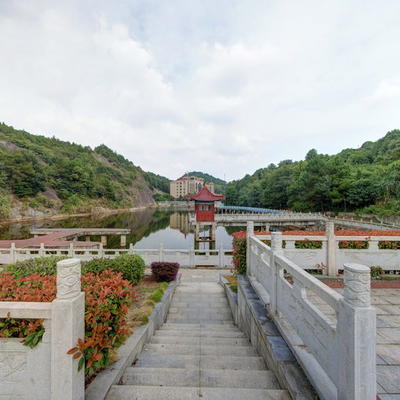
x=204, y=204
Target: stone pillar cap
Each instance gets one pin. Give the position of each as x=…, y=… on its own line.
x=357, y=268
x=69, y=262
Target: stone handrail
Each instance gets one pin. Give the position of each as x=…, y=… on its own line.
x=339, y=356
x=47, y=372
x=186, y=257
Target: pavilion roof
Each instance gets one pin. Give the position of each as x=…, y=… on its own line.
x=206, y=195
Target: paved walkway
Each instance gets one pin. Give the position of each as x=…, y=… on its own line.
x=198, y=353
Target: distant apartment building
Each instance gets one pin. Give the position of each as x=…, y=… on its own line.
x=186, y=185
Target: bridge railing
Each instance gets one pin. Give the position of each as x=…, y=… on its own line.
x=185, y=257
x=336, y=349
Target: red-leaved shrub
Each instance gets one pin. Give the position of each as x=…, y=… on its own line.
x=164, y=271
x=107, y=298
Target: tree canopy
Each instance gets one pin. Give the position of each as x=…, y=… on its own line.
x=365, y=179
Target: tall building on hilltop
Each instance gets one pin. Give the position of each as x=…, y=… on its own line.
x=186, y=185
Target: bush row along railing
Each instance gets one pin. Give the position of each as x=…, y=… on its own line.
x=339, y=358
x=185, y=257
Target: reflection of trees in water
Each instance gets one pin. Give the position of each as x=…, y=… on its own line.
x=180, y=220
x=141, y=223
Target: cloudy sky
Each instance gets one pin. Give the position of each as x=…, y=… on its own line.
x=222, y=86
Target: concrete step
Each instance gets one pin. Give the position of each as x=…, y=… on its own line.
x=202, y=378
x=197, y=333
x=203, y=349
x=136, y=392
x=200, y=320
x=176, y=310
x=211, y=317
x=190, y=327
x=195, y=301
x=153, y=360
x=163, y=339
x=208, y=304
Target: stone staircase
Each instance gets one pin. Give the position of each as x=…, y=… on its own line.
x=198, y=353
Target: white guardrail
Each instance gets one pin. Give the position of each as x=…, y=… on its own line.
x=336, y=351
x=331, y=258
x=185, y=257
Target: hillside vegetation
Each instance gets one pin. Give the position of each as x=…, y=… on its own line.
x=219, y=184
x=365, y=179
x=47, y=173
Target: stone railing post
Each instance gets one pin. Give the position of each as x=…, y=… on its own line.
x=130, y=250
x=331, y=254
x=373, y=245
x=71, y=250
x=221, y=257
x=13, y=253
x=249, y=233
x=356, y=332
x=161, y=253
x=67, y=326
x=290, y=244
x=191, y=257
x=276, y=249
x=42, y=250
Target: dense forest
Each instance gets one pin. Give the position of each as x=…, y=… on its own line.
x=365, y=179
x=42, y=172
x=219, y=184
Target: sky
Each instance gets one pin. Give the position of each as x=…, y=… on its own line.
x=221, y=86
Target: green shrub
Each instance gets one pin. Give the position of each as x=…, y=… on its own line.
x=157, y=295
x=41, y=265
x=376, y=272
x=164, y=285
x=233, y=288
x=131, y=266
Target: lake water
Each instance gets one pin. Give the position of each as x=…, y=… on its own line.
x=149, y=228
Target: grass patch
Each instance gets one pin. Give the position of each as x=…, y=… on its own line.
x=232, y=281
x=148, y=292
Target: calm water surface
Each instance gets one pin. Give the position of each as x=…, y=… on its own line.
x=149, y=228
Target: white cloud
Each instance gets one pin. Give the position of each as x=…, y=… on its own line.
x=226, y=87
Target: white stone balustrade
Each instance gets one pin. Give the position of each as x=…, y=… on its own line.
x=46, y=372
x=185, y=257
x=330, y=258
x=338, y=357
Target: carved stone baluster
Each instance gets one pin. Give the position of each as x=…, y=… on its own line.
x=356, y=331
x=67, y=326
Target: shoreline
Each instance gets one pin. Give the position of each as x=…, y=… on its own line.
x=56, y=217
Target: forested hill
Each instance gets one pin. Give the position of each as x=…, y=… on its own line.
x=38, y=172
x=219, y=184
x=366, y=179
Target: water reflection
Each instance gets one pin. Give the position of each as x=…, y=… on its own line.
x=149, y=228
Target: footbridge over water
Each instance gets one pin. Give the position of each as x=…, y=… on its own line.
x=266, y=217
x=238, y=216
